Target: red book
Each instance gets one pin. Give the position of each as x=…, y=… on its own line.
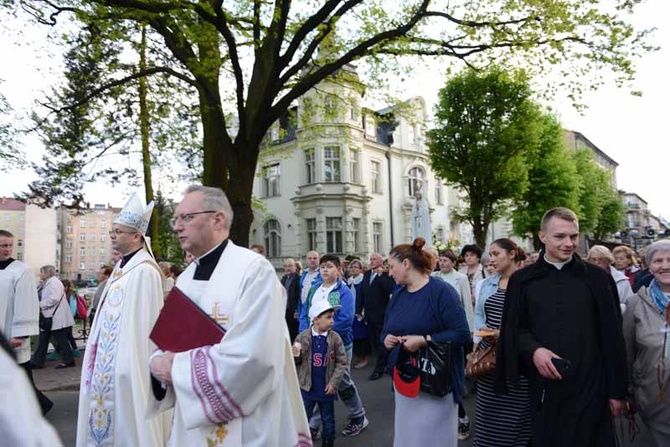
x=182, y=325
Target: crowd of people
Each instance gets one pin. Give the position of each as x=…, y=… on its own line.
x=581, y=343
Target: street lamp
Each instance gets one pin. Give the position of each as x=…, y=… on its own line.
x=634, y=234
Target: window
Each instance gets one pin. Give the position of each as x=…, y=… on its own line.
x=91, y=237
x=82, y=251
x=91, y=251
x=271, y=176
x=82, y=223
x=82, y=237
x=19, y=256
x=19, y=243
x=273, y=239
x=415, y=181
x=375, y=176
x=370, y=130
x=91, y=223
x=311, y=234
x=68, y=259
x=334, y=235
x=331, y=157
x=103, y=223
x=68, y=229
x=68, y=243
x=354, y=176
x=82, y=265
x=377, y=237
x=438, y=192
x=102, y=252
x=20, y=216
x=356, y=232
x=310, y=165
x=103, y=236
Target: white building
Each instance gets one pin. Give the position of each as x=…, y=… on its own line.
x=343, y=179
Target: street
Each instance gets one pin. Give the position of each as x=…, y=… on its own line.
x=377, y=398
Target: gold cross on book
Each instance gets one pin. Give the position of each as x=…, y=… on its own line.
x=218, y=317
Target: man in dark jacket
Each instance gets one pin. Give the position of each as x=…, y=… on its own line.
x=291, y=282
x=562, y=327
x=376, y=290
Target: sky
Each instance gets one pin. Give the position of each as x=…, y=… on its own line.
x=631, y=130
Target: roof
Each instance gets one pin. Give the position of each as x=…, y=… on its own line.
x=9, y=204
x=593, y=147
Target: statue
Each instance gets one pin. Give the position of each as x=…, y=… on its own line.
x=421, y=217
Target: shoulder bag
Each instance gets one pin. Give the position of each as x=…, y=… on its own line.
x=435, y=364
x=45, y=323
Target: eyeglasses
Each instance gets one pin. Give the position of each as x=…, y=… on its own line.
x=116, y=232
x=187, y=217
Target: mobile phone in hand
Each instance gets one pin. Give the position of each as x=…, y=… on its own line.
x=563, y=366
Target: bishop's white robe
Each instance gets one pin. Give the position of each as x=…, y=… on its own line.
x=19, y=306
x=243, y=391
x=114, y=379
x=21, y=421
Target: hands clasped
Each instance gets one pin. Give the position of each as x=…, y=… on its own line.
x=161, y=367
x=412, y=343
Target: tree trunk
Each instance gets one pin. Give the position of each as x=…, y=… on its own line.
x=479, y=230
x=144, y=133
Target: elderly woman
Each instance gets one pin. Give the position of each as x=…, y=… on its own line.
x=603, y=257
x=55, y=309
x=625, y=262
x=421, y=310
x=645, y=326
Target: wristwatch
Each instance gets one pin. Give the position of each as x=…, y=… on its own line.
x=428, y=338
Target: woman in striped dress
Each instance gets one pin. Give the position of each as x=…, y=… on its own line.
x=502, y=420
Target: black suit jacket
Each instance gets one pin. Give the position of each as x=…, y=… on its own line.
x=375, y=297
x=292, y=293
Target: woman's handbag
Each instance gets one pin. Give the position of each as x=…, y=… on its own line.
x=482, y=360
x=435, y=369
x=45, y=323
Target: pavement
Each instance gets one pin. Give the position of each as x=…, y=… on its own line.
x=50, y=379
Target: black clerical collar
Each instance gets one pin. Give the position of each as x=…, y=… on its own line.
x=207, y=263
x=4, y=264
x=126, y=258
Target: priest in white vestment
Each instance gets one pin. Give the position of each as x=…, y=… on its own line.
x=244, y=390
x=21, y=422
x=114, y=381
x=19, y=309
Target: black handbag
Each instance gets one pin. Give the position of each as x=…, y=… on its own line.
x=435, y=369
x=45, y=323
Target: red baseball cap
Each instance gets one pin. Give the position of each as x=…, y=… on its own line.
x=406, y=379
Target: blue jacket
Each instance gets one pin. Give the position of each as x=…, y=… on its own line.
x=315, y=282
x=344, y=316
x=489, y=287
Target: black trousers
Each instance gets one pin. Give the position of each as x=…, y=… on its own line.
x=60, y=337
x=382, y=354
x=45, y=402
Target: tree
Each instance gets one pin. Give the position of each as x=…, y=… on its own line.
x=9, y=153
x=598, y=212
x=264, y=55
x=486, y=125
x=552, y=180
x=165, y=244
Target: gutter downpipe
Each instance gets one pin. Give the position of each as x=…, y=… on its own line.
x=388, y=164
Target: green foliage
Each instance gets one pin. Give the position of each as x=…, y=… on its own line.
x=599, y=214
x=254, y=60
x=486, y=125
x=552, y=178
x=10, y=155
x=166, y=245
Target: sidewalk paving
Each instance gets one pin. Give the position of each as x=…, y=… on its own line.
x=51, y=379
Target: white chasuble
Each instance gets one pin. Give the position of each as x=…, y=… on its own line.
x=21, y=420
x=114, y=383
x=243, y=391
x=19, y=306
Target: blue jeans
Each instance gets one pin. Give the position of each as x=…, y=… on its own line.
x=347, y=392
x=327, y=410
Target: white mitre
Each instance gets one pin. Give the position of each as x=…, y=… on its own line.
x=135, y=214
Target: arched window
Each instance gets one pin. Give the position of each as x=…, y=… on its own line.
x=416, y=180
x=273, y=238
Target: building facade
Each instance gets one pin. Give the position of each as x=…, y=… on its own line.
x=85, y=242
x=345, y=179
